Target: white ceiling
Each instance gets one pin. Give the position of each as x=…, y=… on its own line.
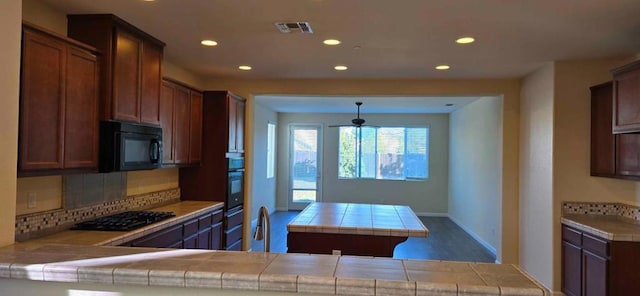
x=370, y=104
x=397, y=39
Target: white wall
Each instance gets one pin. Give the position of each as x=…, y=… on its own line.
x=428, y=196
x=536, y=174
x=475, y=174
x=264, y=192
x=10, y=23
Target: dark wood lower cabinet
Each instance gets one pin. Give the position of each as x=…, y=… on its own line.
x=233, y=228
x=571, y=269
x=203, y=232
x=595, y=274
x=593, y=266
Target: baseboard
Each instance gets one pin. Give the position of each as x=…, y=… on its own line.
x=429, y=214
x=489, y=247
x=281, y=209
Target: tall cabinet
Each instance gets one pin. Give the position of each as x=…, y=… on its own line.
x=223, y=120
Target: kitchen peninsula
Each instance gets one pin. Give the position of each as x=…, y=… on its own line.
x=352, y=229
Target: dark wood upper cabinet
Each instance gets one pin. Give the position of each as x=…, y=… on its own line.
x=602, y=139
x=181, y=121
x=628, y=155
x=131, y=66
x=235, y=113
x=167, y=94
x=626, y=98
x=195, y=131
x=81, y=136
x=58, y=103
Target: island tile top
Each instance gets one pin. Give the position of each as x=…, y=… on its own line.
x=352, y=218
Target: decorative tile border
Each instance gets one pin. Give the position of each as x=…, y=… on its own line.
x=39, y=224
x=593, y=208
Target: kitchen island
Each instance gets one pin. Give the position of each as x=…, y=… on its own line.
x=352, y=229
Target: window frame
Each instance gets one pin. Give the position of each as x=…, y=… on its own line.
x=358, y=153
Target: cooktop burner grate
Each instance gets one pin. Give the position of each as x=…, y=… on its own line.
x=125, y=221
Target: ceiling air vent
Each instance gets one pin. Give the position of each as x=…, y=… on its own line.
x=294, y=27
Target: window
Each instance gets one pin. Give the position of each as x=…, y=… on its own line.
x=386, y=153
x=271, y=150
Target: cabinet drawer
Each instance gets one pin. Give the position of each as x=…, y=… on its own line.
x=572, y=235
x=191, y=227
x=204, y=222
x=595, y=245
x=233, y=235
x=162, y=239
x=216, y=217
x=234, y=219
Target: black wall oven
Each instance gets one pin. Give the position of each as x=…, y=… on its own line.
x=129, y=146
x=235, y=182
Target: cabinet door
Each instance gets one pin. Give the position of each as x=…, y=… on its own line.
x=216, y=236
x=195, y=142
x=81, y=110
x=204, y=239
x=151, y=82
x=627, y=98
x=240, y=126
x=571, y=269
x=126, y=77
x=166, y=121
x=602, y=137
x=41, y=103
x=233, y=117
x=628, y=155
x=595, y=274
x=181, y=138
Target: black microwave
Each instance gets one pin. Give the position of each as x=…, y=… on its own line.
x=128, y=146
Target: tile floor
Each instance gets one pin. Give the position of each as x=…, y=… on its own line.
x=446, y=241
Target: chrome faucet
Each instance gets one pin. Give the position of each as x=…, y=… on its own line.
x=263, y=228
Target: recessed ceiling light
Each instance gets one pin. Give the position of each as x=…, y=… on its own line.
x=148, y=0
x=331, y=42
x=443, y=67
x=208, y=43
x=465, y=40
x=449, y=104
x=244, y=67
x=340, y=67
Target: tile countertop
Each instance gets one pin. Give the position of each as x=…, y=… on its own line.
x=610, y=227
x=366, y=219
x=297, y=273
x=184, y=210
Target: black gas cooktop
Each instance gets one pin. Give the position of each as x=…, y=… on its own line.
x=124, y=221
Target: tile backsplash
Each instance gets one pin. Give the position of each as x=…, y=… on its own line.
x=90, y=189
x=34, y=225
x=593, y=208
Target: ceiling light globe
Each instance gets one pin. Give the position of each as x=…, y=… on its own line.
x=465, y=40
x=331, y=42
x=208, y=43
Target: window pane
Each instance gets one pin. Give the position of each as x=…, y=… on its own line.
x=390, y=153
x=271, y=149
x=305, y=158
x=347, y=152
x=417, y=157
x=368, y=152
